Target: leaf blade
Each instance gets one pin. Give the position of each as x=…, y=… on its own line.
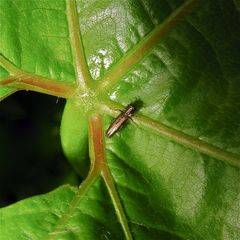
x=189, y=84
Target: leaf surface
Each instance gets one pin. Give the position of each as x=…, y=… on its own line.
x=172, y=173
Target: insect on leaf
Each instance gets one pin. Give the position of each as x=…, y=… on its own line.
x=175, y=173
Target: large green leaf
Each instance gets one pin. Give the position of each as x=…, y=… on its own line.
x=172, y=173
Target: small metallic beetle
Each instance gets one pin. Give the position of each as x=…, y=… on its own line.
x=120, y=120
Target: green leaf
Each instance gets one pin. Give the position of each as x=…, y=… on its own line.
x=171, y=173
x=57, y=215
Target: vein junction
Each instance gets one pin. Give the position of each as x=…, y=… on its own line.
x=28, y=81
x=23, y=80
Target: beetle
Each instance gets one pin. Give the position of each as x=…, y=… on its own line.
x=119, y=121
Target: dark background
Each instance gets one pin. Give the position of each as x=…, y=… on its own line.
x=31, y=158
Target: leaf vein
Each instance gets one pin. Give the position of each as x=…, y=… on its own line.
x=81, y=66
x=143, y=47
x=179, y=137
